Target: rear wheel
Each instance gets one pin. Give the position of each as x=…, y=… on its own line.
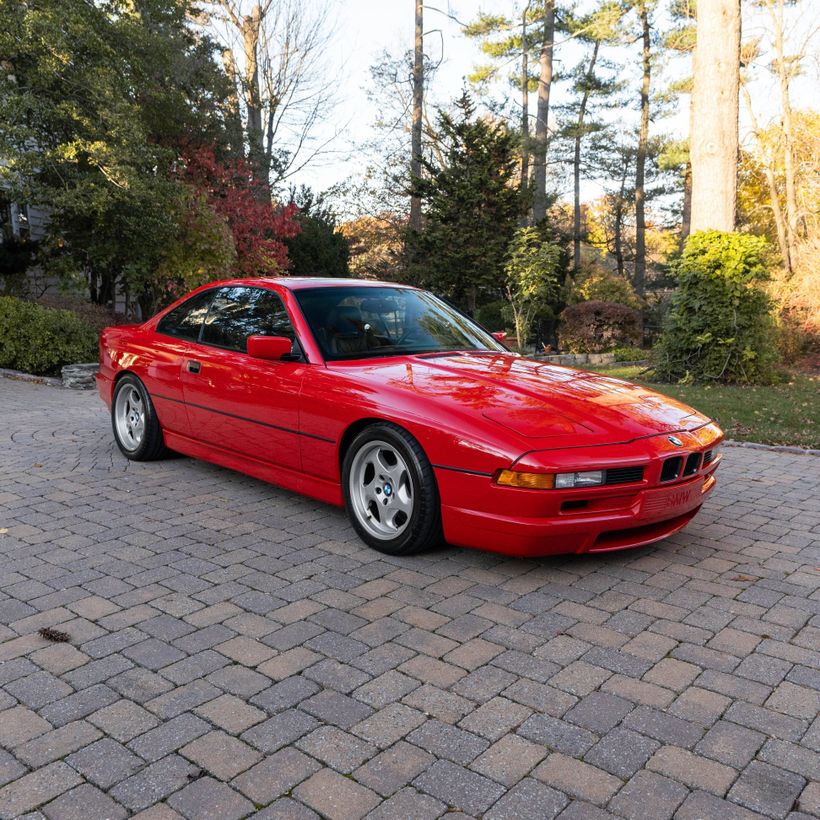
x=136, y=428
x=390, y=491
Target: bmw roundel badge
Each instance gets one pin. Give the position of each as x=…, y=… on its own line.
x=676, y=441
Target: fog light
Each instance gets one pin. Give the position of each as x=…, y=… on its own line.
x=529, y=481
x=565, y=481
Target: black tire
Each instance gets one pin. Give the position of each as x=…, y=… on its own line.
x=152, y=445
x=423, y=530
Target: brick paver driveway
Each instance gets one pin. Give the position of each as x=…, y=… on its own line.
x=234, y=648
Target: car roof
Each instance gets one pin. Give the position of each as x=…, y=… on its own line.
x=302, y=282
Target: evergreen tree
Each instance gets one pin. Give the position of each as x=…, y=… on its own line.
x=319, y=249
x=470, y=208
x=96, y=104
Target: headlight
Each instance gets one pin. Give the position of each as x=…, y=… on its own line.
x=549, y=481
x=565, y=481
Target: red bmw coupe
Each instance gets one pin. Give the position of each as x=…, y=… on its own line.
x=383, y=399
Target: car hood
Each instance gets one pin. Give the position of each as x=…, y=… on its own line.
x=546, y=405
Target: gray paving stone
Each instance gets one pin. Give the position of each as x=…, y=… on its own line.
x=36, y=788
x=56, y=744
x=275, y=775
x=183, y=699
x=168, y=737
x=448, y=742
x=105, y=762
x=335, y=708
x=766, y=721
x=767, y=789
x=730, y=744
x=663, y=727
x=285, y=694
x=336, y=797
x=340, y=750
x=648, y=792
x=280, y=730
x=527, y=797
x=154, y=783
x=599, y=712
x=79, y=705
x=408, y=803
x=622, y=752
x=394, y=768
x=385, y=727
x=221, y=754
x=123, y=720
x=700, y=805
x=82, y=803
x=208, y=798
x=471, y=792
x=38, y=689
x=555, y=733
x=793, y=757
x=10, y=768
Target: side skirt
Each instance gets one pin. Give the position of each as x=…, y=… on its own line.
x=318, y=488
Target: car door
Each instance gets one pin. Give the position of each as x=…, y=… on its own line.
x=238, y=403
x=170, y=347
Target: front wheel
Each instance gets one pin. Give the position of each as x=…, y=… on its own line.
x=136, y=427
x=390, y=491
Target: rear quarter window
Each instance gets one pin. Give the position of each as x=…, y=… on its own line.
x=185, y=321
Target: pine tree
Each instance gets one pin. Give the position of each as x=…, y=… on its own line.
x=470, y=208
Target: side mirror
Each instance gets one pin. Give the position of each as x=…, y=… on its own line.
x=499, y=335
x=269, y=347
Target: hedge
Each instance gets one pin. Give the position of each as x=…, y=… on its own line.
x=41, y=340
x=597, y=327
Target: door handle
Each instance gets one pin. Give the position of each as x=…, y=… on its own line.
x=194, y=367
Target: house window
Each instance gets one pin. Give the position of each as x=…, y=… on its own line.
x=6, y=228
x=23, y=225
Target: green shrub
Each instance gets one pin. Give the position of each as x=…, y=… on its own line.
x=720, y=327
x=40, y=340
x=597, y=327
x=630, y=354
x=494, y=315
x=598, y=285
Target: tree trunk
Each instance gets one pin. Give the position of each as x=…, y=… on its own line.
x=525, y=113
x=234, y=117
x=714, y=129
x=576, y=162
x=472, y=299
x=686, y=215
x=539, y=203
x=418, y=105
x=251, y=28
x=640, y=161
x=783, y=75
x=619, y=223
x=786, y=252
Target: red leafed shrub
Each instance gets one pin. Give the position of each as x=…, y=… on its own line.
x=259, y=228
x=596, y=327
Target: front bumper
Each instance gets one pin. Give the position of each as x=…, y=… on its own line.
x=478, y=513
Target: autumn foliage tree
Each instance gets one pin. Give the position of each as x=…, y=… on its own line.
x=258, y=228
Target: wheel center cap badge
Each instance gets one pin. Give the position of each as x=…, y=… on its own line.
x=387, y=489
x=676, y=441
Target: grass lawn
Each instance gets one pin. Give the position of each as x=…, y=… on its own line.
x=786, y=413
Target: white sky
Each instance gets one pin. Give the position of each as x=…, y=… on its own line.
x=365, y=28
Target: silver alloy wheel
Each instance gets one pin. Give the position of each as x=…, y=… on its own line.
x=381, y=490
x=129, y=417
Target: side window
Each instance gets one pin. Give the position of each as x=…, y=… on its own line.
x=239, y=312
x=185, y=321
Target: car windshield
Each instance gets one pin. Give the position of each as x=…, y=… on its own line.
x=356, y=322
